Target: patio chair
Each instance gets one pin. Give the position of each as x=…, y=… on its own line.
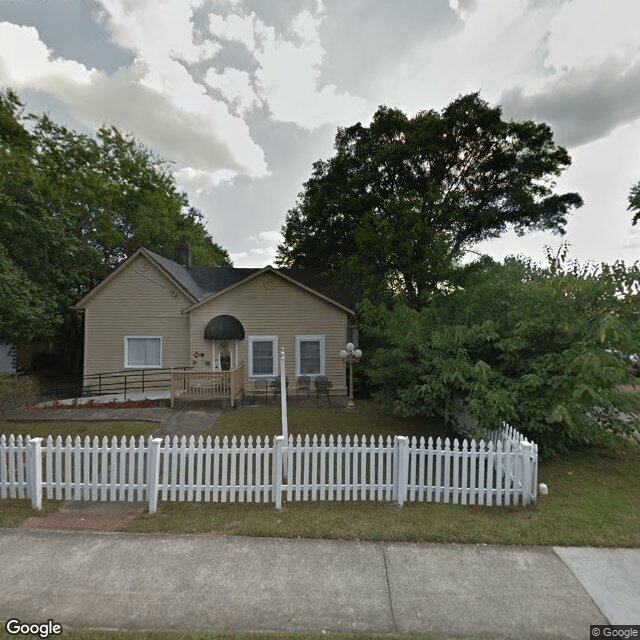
x=276, y=385
x=303, y=384
x=323, y=386
x=261, y=386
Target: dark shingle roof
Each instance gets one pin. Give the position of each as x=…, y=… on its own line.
x=181, y=274
x=202, y=282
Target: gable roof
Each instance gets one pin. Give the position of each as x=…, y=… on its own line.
x=201, y=284
x=175, y=275
x=237, y=277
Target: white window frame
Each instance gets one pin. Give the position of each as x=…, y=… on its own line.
x=310, y=338
x=137, y=366
x=274, y=341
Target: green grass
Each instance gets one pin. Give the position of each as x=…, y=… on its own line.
x=594, y=495
x=368, y=420
x=13, y=511
x=44, y=428
x=594, y=500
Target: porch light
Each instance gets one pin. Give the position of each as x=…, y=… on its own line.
x=349, y=356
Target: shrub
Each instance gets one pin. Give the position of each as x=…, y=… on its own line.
x=516, y=342
x=17, y=391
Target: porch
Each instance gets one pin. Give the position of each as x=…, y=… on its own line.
x=208, y=385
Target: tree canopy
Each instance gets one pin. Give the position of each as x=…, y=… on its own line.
x=73, y=207
x=401, y=200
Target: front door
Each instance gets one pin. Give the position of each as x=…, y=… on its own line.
x=224, y=355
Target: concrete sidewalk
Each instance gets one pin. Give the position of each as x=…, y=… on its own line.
x=142, y=581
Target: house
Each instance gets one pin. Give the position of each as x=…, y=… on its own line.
x=153, y=313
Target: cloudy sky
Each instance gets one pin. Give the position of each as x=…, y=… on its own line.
x=242, y=96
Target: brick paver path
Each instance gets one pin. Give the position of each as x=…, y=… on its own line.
x=79, y=521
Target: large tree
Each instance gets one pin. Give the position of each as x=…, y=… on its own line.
x=402, y=199
x=72, y=207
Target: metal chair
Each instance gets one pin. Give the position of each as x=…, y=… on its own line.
x=303, y=383
x=276, y=385
x=261, y=386
x=323, y=387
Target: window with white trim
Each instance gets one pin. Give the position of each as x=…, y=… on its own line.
x=262, y=356
x=142, y=352
x=310, y=355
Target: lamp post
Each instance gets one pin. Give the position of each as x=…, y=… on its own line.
x=349, y=356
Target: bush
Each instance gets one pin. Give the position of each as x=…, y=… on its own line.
x=17, y=391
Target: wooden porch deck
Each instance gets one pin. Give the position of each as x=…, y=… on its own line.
x=207, y=385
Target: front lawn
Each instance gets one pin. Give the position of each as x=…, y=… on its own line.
x=369, y=420
x=82, y=428
x=594, y=495
x=594, y=500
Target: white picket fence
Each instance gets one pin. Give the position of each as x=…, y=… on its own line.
x=500, y=471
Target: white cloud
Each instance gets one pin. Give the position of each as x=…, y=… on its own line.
x=235, y=86
x=289, y=76
x=25, y=61
x=500, y=45
x=266, y=254
x=234, y=27
x=632, y=242
x=238, y=258
x=160, y=34
x=156, y=98
x=268, y=236
x=587, y=32
x=305, y=25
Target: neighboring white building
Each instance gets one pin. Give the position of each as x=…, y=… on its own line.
x=8, y=357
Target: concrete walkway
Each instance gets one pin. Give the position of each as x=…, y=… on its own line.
x=143, y=581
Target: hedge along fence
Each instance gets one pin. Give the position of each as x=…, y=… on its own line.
x=500, y=471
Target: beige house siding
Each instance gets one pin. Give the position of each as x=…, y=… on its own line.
x=271, y=306
x=139, y=301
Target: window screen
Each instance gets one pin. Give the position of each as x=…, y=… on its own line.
x=262, y=357
x=309, y=357
x=144, y=352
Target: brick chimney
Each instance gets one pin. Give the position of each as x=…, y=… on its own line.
x=182, y=254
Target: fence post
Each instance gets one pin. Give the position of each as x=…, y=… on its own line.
x=278, y=452
x=526, y=451
x=402, y=444
x=153, y=471
x=34, y=476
